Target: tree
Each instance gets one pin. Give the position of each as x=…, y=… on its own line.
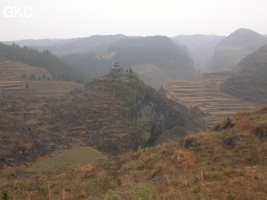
x=24, y=76
x=27, y=85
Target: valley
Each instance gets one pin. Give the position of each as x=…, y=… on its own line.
x=76, y=128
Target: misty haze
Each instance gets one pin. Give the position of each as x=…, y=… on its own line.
x=133, y=100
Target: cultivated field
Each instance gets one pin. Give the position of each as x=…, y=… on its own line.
x=12, y=82
x=64, y=158
x=204, y=92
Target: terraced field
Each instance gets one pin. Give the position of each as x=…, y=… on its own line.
x=12, y=82
x=12, y=70
x=24, y=97
x=204, y=92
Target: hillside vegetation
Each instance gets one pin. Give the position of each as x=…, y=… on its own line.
x=155, y=59
x=213, y=165
x=119, y=113
x=257, y=56
x=115, y=114
x=250, y=83
x=22, y=143
x=235, y=47
x=58, y=69
x=24, y=134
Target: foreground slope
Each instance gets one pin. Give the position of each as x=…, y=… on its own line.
x=227, y=163
x=235, y=47
x=250, y=82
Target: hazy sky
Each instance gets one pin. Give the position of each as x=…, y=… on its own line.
x=36, y=19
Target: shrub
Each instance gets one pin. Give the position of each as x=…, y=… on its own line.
x=226, y=124
x=4, y=195
x=185, y=160
x=261, y=131
x=244, y=125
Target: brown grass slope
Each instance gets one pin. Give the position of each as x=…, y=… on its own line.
x=21, y=143
x=250, y=82
x=113, y=114
x=24, y=134
x=228, y=162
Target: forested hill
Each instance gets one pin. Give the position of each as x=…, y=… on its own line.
x=45, y=59
x=235, y=47
x=156, y=59
x=250, y=83
x=257, y=56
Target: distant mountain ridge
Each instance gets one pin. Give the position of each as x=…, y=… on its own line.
x=235, y=47
x=62, y=47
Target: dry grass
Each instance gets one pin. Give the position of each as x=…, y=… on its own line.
x=206, y=168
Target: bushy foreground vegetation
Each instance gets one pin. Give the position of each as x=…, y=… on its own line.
x=229, y=162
